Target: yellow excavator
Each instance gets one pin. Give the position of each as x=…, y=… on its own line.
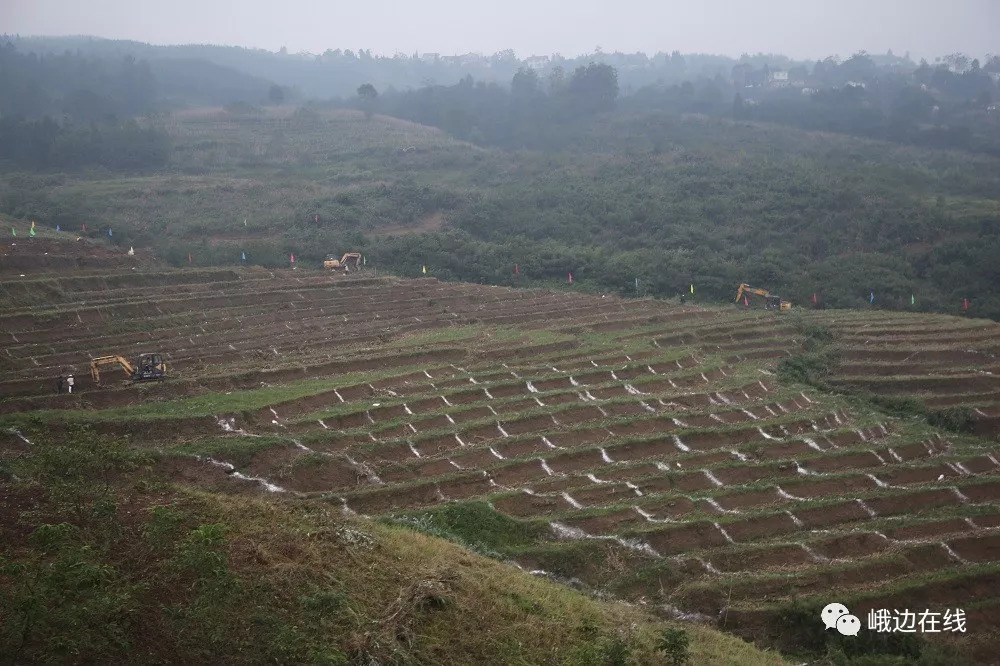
x=350, y=261
x=147, y=367
x=771, y=302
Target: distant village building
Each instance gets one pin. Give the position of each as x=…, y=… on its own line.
x=462, y=60
x=429, y=57
x=778, y=78
x=855, y=84
x=537, y=62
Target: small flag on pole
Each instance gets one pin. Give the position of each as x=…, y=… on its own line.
x=243, y=256
x=190, y=258
x=131, y=251
x=815, y=299
x=746, y=302
x=692, y=288
x=244, y=221
x=913, y=301
x=57, y=228
x=517, y=270
x=31, y=231
x=364, y=260
x=637, y=284
x=424, y=270
x=871, y=297
x=965, y=305
x=84, y=227
x=291, y=257
x=109, y=233
x=569, y=278
x=13, y=232
x=32, y=224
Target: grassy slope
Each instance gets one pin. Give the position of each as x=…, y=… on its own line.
x=667, y=199
x=109, y=563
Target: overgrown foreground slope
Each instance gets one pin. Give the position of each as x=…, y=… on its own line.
x=736, y=468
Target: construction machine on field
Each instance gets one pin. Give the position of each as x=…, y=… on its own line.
x=771, y=302
x=350, y=261
x=146, y=367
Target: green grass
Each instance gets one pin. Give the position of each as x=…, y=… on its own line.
x=217, y=403
x=476, y=526
x=235, y=449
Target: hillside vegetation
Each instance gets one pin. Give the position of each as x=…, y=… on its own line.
x=672, y=201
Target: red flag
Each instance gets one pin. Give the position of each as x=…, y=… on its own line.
x=190, y=259
x=815, y=300
x=570, y=278
x=965, y=305
x=292, y=256
x=516, y=271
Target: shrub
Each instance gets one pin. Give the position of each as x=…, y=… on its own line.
x=674, y=644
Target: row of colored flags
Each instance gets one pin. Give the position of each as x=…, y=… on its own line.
x=32, y=233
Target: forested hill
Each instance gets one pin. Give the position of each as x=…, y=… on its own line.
x=643, y=194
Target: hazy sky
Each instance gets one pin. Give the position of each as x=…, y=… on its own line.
x=799, y=28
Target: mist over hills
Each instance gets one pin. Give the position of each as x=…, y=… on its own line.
x=842, y=176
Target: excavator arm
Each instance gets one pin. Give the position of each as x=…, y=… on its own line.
x=345, y=263
x=773, y=301
x=97, y=363
x=747, y=289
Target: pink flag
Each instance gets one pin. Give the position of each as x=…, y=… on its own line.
x=746, y=302
x=516, y=271
x=815, y=300
x=292, y=256
x=84, y=227
x=190, y=259
x=965, y=305
x=571, y=278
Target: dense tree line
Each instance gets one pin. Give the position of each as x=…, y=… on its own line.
x=45, y=144
x=80, y=88
x=532, y=112
x=938, y=106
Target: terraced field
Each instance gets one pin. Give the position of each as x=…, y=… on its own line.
x=650, y=449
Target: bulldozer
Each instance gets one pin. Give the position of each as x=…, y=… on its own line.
x=350, y=261
x=771, y=302
x=147, y=367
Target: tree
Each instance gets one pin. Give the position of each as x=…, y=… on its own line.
x=594, y=88
x=276, y=94
x=368, y=95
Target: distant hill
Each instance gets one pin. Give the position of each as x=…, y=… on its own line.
x=670, y=201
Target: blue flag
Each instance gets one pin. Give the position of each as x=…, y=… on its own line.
x=57, y=228
x=109, y=233
x=244, y=256
x=871, y=297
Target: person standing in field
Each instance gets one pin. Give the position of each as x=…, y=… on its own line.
x=69, y=384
